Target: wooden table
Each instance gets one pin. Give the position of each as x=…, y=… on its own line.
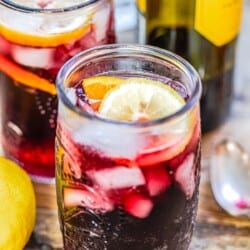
x=215, y=230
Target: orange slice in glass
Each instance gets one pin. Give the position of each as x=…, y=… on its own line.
x=96, y=87
x=25, y=77
x=37, y=40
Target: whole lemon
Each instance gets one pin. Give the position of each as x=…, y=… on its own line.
x=18, y=208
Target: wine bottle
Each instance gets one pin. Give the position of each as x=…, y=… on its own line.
x=204, y=32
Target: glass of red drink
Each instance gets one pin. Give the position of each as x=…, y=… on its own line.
x=36, y=39
x=127, y=149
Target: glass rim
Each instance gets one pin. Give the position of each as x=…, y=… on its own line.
x=18, y=7
x=78, y=59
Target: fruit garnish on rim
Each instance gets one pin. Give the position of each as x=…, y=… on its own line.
x=139, y=99
x=97, y=87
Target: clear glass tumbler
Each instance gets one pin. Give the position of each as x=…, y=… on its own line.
x=36, y=39
x=127, y=184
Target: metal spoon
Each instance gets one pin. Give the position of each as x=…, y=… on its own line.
x=230, y=178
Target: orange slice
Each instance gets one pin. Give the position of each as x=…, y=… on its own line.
x=175, y=142
x=25, y=77
x=38, y=40
x=145, y=159
x=96, y=87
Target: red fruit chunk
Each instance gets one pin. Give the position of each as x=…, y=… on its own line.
x=87, y=197
x=124, y=162
x=185, y=175
x=138, y=204
x=88, y=41
x=157, y=179
x=61, y=55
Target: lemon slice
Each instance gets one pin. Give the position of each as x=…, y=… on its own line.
x=36, y=40
x=140, y=99
x=97, y=87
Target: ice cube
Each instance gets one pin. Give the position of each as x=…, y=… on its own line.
x=33, y=57
x=101, y=22
x=44, y=24
x=50, y=25
x=20, y=22
x=185, y=175
x=117, y=177
x=114, y=141
x=71, y=94
x=87, y=197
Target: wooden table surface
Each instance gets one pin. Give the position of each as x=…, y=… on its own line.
x=215, y=230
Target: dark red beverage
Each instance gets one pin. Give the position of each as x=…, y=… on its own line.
x=32, y=49
x=157, y=213
x=127, y=151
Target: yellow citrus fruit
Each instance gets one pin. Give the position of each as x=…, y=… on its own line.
x=96, y=87
x=140, y=99
x=17, y=210
x=40, y=40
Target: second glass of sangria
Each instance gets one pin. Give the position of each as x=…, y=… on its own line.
x=127, y=149
x=36, y=39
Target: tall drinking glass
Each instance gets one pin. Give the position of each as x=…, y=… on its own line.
x=36, y=38
x=127, y=149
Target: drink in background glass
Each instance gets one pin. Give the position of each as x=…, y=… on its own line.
x=36, y=38
x=127, y=149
